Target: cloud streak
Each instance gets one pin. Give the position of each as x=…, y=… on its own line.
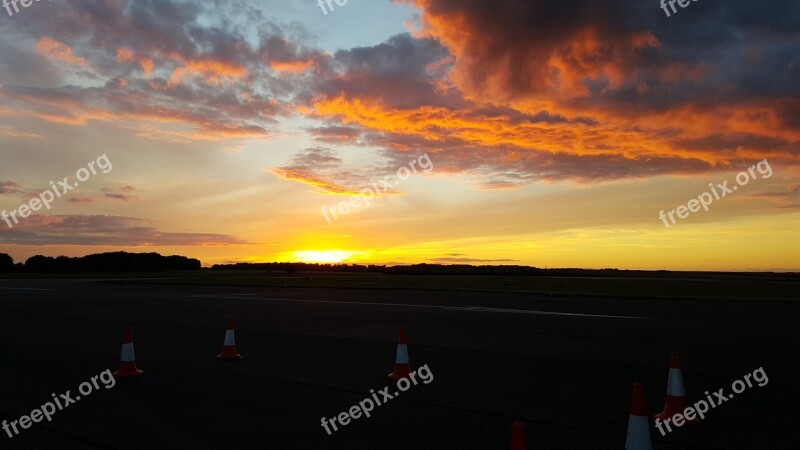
x=97, y=230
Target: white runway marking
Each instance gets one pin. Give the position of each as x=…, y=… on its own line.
x=448, y=308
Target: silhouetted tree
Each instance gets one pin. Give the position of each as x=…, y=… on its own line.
x=110, y=262
x=6, y=263
x=39, y=263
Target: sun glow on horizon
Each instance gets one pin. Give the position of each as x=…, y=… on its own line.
x=325, y=256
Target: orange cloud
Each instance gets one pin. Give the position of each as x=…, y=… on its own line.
x=58, y=51
x=10, y=132
x=428, y=122
x=213, y=71
x=147, y=65
x=296, y=66
x=300, y=176
x=755, y=132
x=124, y=54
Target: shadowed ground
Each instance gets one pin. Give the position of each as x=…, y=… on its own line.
x=563, y=364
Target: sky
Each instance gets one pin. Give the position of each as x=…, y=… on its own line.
x=590, y=134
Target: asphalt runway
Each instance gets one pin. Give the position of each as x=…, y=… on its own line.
x=562, y=365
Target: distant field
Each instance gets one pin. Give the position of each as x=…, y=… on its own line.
x=659, y=285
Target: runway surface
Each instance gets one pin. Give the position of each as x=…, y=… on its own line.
x=562, y=365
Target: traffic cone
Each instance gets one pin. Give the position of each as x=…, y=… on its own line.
x=676, y=396
x=401, y=366
x=518, y=436
x=127, y=359
x=638, y=426
x=229, y=346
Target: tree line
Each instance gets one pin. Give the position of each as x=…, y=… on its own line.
x=99, y=262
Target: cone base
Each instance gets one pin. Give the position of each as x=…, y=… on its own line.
x=229, y=355
x=127, y=373
x=518, y=437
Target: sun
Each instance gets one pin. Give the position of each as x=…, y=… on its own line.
x=326, y=256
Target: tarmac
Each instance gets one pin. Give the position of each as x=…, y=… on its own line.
x=564, y=365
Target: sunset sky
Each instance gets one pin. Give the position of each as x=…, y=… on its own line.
x=557, y=130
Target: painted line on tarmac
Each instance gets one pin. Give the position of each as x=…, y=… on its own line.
x=447, y=308
x=545, y=313
x=25, y=289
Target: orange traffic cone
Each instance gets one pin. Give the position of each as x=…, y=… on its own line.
x=518, y=436
x=229, y=346
x=127, y=359
x=676, y=396
x=638, y=426
x=401, y=366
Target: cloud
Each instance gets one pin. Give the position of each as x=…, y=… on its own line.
x=173, y=71
x=211, y=70
x=10, y=132
x=587, y=91
x=102, y=231
x=602, y=51
x=10, y=187
x=519, y=93
x=323, y=169
x=316, y=167
x=81, y=200
x=296, y=66
x=123, y=193
x=58, y=51
x=336, y=134
x=786, y=197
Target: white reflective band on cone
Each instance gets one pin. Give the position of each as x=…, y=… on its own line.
x=127, y=353
x=402, y=354
x=229, y=338
x=675, y=383
x=638, y=434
